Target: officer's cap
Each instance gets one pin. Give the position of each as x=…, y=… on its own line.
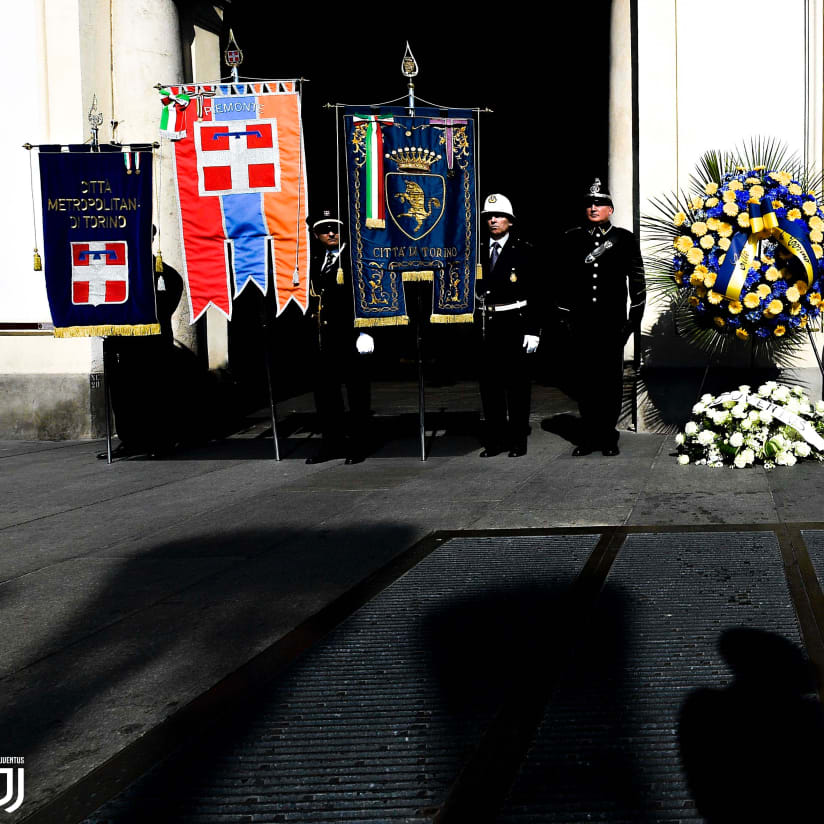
x=498, y=205
x=599, y=194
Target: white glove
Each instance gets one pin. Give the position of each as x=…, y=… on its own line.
x=365, y=344
x=531, y=343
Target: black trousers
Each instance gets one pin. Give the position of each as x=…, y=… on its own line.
x=504, y=380
x=597, y=361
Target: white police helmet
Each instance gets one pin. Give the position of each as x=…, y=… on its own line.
x=498, y=205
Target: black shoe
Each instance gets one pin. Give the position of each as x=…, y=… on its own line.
x=354, y=459
x=580, y=451
x=610, y=451
x=491, y=451
x=120, y=451
x=322, y=456
x=517, y=450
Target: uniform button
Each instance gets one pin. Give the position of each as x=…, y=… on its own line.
x=594, y=275
x=595, y=265
x=595, y=300
x=594, y=287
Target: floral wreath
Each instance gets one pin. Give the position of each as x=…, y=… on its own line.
x=741, y=257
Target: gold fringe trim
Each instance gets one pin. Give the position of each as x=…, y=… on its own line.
x=451, y=318
x=106, y=330
x=418, y=276
x=479, y=272
x=375, y=223
x=395, y=320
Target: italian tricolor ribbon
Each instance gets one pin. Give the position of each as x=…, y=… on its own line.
x=172, y=118
x=375, y=204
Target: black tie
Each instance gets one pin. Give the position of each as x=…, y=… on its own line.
x=328, y=263
x=493, y=258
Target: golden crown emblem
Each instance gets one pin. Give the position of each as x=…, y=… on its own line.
x=413, y=159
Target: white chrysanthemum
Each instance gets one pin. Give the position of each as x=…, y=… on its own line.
x=765, y=416
x=699, y=408
x=739, y=410
x=680, y=438
x=736, y=439
x=706, y=437
x=691, y=428
x=683, y=459
x=802, y=449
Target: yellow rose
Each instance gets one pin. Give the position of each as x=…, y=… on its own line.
x=772, y=274
x=679, y=218
x=793, y=214
x=763, y=291
x=696, y=279
x=731, y=209
x=735, y=185
x=774, y=307
x=757, y=192
x=779, y=330
x=816, y=236
x=792, y=294
x=719, y=322
x=818, y=250
x=743, y=220
x=696, y=203
x=707, y=242
x=724, y=243
x=695, y=255
x=800, y=287
x=814, y=298
x=751, y=300
x=711, y=201
x=724, y=229
x=735, y=307
x=728, y=197
x=794, y=189
x=742, y=333
x=711, y=188
x=709, y=279
x=809, y=207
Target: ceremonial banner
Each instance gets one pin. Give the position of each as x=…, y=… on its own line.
x=241, y=183
x=412, y=211
x=97, y=240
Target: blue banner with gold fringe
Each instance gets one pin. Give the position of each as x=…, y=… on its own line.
x=97, y=240
x=412, y=211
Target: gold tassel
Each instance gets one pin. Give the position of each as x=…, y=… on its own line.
x=395, y=320
x=38, y=263
x=466, y=318
x=107, y=330
x=375, y=223
x=158, y=262
x=339, y=277
x=479, y=272
x=418, y=276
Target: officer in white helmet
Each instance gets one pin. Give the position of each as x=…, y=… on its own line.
x=511, y=330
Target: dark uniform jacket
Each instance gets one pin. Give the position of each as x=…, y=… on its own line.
x=514, y=279
x=601, y=265
x=332, y=304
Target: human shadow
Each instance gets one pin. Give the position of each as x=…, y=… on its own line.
x=752, y=751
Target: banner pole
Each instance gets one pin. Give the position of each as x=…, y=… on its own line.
x=107, y=402
x=268, y=364
x=815, y=351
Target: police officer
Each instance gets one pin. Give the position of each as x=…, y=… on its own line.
x=337, y=348
x=510, y=327
x=601, y=265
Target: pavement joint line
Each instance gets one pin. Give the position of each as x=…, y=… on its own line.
x=80, y=799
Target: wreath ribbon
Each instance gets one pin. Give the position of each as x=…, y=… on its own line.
x=764, y=223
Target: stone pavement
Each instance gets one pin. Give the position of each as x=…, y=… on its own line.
x=130, y=590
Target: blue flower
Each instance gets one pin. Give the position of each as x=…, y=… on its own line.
x=762, y=332
x=779, y=287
